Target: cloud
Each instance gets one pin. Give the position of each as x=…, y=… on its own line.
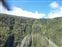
x=61, y=10
x=2, y=9
x=55, y=12
x=54, y=5
x=20, y=12
x=54, y=15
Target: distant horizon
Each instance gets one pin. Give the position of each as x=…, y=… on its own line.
x=35, y=8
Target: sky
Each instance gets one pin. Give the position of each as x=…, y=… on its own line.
x=35, y=8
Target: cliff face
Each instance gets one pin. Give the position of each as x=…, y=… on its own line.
x=39, y=32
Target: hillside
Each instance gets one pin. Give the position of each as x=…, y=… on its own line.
x=42, y=32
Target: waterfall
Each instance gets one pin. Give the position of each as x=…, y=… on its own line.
x=23, y=41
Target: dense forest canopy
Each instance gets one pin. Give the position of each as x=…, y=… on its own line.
x=43, y=32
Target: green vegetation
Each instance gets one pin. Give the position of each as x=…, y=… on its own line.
x=33, y=32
